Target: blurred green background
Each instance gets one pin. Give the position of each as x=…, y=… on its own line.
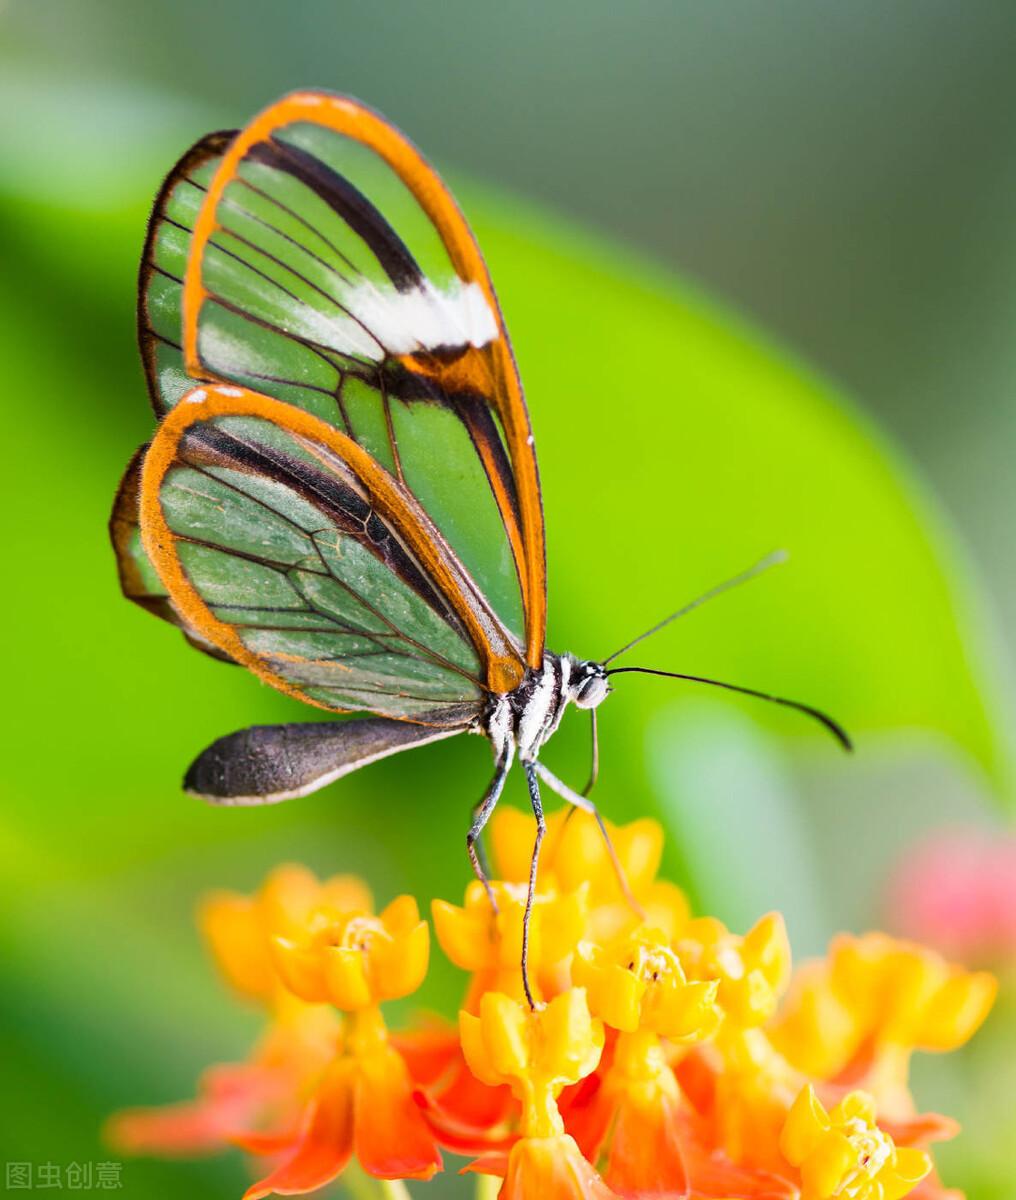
x=653, y=183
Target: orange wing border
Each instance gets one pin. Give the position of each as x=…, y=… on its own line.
x=394, y=504
x=490, y=369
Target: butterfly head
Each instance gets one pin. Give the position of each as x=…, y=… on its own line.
x=588, y=684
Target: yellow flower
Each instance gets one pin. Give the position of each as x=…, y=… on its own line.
x=353, y=959
x=908, y=994
x=238, y=928
x=638, y=983
x=752, y=970
x=536, y=1052
x=843, y=1153
x=574, y=854
x=882, y=997
x=489, y=944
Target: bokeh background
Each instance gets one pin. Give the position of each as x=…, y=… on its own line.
x=758, y=262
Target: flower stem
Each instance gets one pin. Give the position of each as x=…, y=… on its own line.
x=361, y=1186
x=487, y=1187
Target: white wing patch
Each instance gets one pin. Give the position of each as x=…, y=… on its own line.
x=425, y=317
x=369, y=321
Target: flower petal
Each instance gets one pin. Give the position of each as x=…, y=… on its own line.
x=401, y=915
x=956, y=1011
x=230, y=1097
x=236, y=937
x=645, y=1151
x=571, y=1041
x=806, y=1122
x=399, y=966
x=325, y=1144
x=614, y=993
x=464, y=936
x=910, y=1168
x=551, y=1168
x=299, y=969
x=346, y=979
x=474, y=1050
x=391, y=1138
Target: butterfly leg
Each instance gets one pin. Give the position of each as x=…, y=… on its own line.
x=479, y=848
x=481, y=815
x=578, y=800
x=541, y=828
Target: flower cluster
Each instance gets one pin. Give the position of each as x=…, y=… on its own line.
x=666, y=1056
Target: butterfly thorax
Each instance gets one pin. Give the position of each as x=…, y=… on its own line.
x=523, y=720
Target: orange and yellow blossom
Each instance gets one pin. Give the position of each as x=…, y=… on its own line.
x=574, y=854
x=239, y=929
x=658, y=1051
x=265, y=1094
x=364, y=1102
x=856, y=1017
x=536, y=1053
x=353, y=959
x=488, y=943
x=638, y=987
x=752, y=971
x=845, y=1153
x=638, y=1118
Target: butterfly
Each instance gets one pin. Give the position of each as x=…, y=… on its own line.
x=342, y=492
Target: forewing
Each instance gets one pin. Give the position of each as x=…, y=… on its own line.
x=163, y=265
x=329, y=267
x=281, y=542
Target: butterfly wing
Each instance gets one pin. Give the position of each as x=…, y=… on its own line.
x=269, y=763
x=284, y=545
x=328, y=266
x=139, y=581
x=164, y=264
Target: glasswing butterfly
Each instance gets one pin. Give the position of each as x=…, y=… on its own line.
x=342, y=492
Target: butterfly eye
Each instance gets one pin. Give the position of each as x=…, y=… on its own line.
x=592, y=691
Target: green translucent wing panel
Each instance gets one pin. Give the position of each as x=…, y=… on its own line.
x=280, y=541
x=325, y=271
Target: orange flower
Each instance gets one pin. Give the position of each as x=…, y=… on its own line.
x=659, y=1055
x=353, y=959
x=467, y=1116
x=637, y=1116
x=857, y=1017
x=551, y=1168
x=265, y=1095
x=574, y=854
x=488, y=944
x=844, y=1153
x=752, y=970
x=363, y=1105
x=238, y=928
x=536, y=1053
x=637, y=982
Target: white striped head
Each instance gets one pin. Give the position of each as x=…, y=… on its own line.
x=587, y=683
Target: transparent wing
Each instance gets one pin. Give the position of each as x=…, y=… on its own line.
x=283, y=544
x=328, y=266
x=163, y=265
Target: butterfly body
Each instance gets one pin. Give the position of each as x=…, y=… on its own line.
x=530, y=714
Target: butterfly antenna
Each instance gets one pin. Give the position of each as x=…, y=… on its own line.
x=770, y=560
x=834, y=727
